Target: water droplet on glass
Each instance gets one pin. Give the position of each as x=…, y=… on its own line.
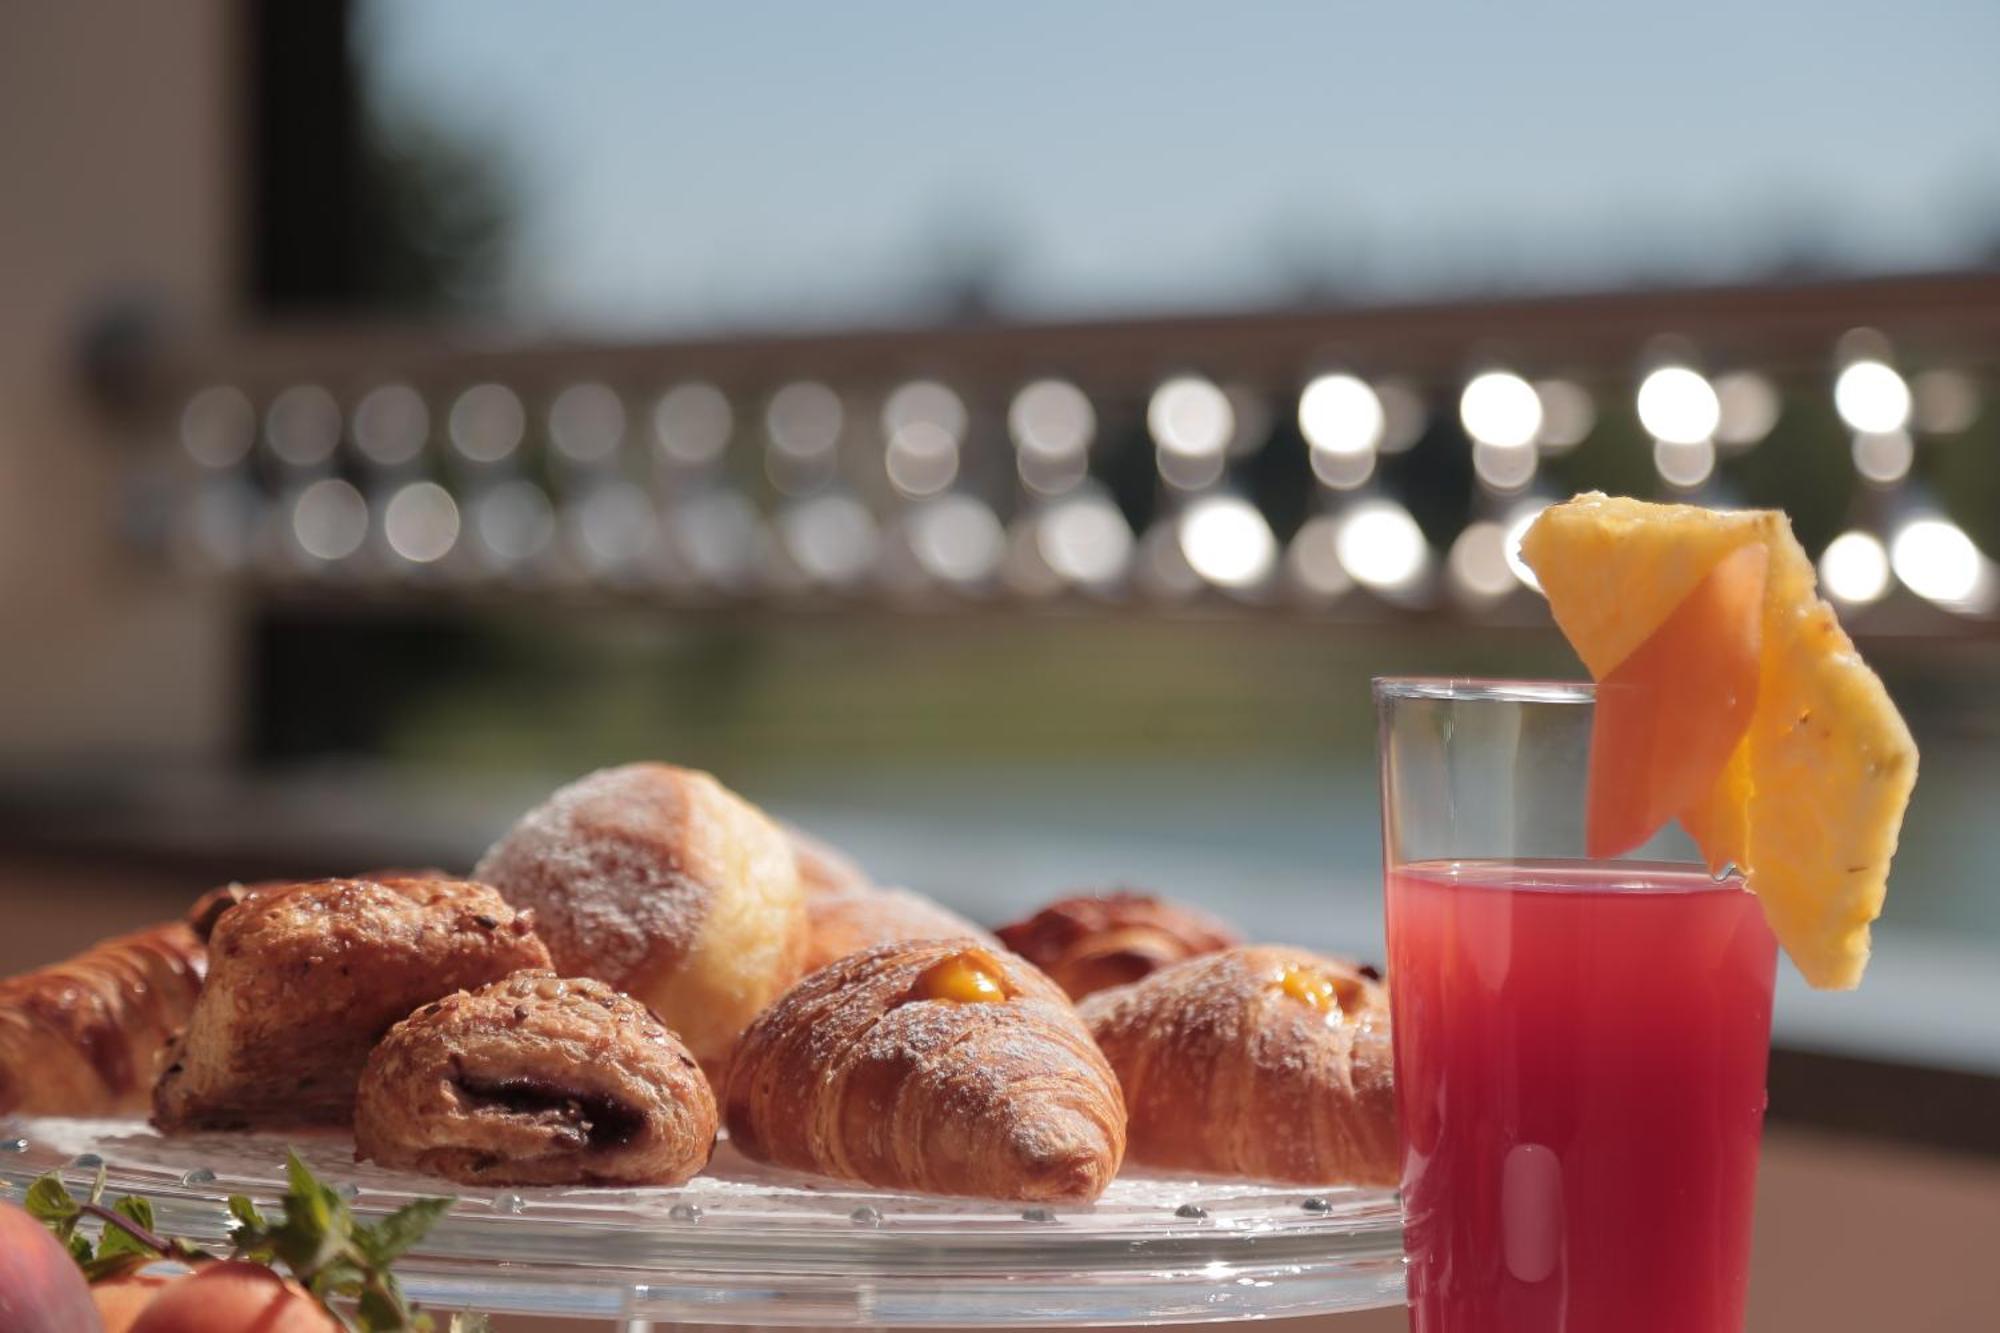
x=1038, y=1215
x=509, y=1203
x=1317, y=1205
x=684, y=1212
x=201, y=1175
x=1193, y=1212
x=89, y=1161
x=1727, y=870
x=865, y=1216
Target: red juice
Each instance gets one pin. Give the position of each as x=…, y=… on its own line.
x=1580, y=1055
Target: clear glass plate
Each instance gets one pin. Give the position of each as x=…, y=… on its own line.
x=744, y=1244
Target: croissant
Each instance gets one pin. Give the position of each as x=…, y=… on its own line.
x=83, y=1037
x=536, y=1080
x=1088, y=943
x=847, y=920
x=304, y=980
x=939, y=1066
x=1272, y=1063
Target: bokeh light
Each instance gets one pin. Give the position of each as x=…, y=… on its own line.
x=1478, y=566
x=1312, y=561
x=831, y=538
x=692, y=423
x=1748, y=405
x=1936, y=560
x=1085, y=540
x=1342, y=420
x=330, y=519
x=303, y=425
x=1381, y=547
x=1872, y=398
x=587, y=422
x=513, y=522
x=1884, y=459
x=1685, y=464
x=391, y=424
x=1855, y=568
x=1227, y=542
x=1568, y=415
x=421, y=522
x=1944, y=402
x=957, y=539
x=487, y=423
x=1192, y=422
x=1679, y=406
x=1500, y=408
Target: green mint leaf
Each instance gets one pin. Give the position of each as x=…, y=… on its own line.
x=79, y=1246
x=391, y=1238
x=50, y=1204
x=140, y=1210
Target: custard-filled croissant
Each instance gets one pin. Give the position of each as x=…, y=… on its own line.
x=1090, y=942
x=84, y=1036
x=536, y=1080
x=1266, y=1062
x=939, y=1066
x=304, y=980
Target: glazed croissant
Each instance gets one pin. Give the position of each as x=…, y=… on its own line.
x=84, y=1036
x=1266, y=1062
x=939, y=1066
x=1090, y=942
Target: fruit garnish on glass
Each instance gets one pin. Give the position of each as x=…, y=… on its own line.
x=1730, y=698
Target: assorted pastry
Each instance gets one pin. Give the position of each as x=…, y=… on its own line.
x=939, y=1065
x=646, y=956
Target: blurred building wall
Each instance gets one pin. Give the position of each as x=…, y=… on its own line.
x=118, y=180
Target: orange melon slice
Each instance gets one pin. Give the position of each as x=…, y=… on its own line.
x=1810, y=802
x=1669, y=717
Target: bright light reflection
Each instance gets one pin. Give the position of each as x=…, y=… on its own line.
x=303, y=425
x=831, y=537
x=391, y=424
x=1503, y=467
x=615, y=525
x=586, y=422
x=1403, y=416
x=1227, y=541
x=957, y=539
x=1313, y=560
x=1686, y=465
x=1340, y=414
x=1191, y=417
x=421, y=522
x=1679, y=406
x=513, y=521
x=1937, y=561
x=1855, y=568
x=924, y=402
x=487, y=423
x=1518, y=524
x=803, y=419
x=1381, y=546
x=1051, y=417
x=922, y=459
x=1478, y=563
x=1502, y=409
x=1884, y=459
x=330, y=519
x=1085, y=540
x=692, y=423
x=1568, y=414
x=1871, y=397
x=1749, y=405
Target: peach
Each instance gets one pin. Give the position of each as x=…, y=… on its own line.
x=234, y=1296
x=41, y=1288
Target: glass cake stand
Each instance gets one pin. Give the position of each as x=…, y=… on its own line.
x=746, y=1245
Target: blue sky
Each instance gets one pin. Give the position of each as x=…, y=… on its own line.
x=762, y=164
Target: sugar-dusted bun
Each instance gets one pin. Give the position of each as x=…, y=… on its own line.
x=848, y=920
x=668, y=886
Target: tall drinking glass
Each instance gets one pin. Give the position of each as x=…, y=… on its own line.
x=1580, y=1044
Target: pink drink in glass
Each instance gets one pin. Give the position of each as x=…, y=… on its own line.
x=1580, y=1058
